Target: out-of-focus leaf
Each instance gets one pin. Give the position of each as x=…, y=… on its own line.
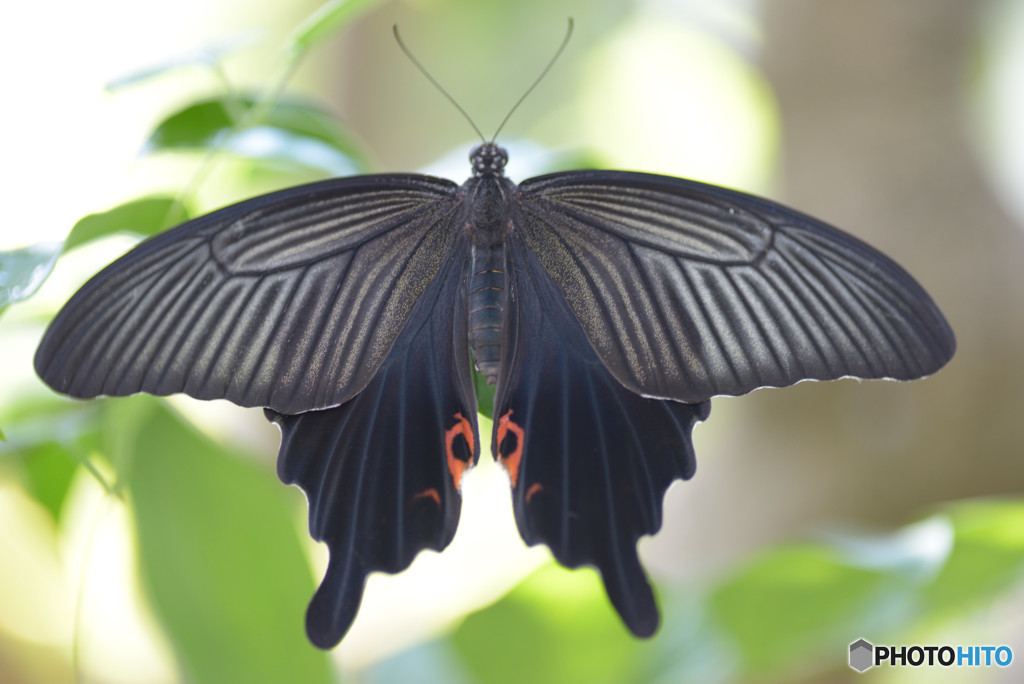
x=331, y=17
x=484, y=395
x=40, y=421
x=198, y=125
x=917, y=550
x=282, y=146
x=287, y=130
x=23, y=270
x=145, y=216
x=220, y=556
x=207, y=57
x=557, y=626
x=49, y=440
x=987, y=556
x=49, y=469
x=797, y=600
x=787, y=612
x=793, y=603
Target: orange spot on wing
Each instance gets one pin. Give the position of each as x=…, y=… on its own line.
x=457, y=466
x=428, y=494
x=511, y=460
x=534, y=488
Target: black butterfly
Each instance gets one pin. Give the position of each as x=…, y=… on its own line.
x=607, y=306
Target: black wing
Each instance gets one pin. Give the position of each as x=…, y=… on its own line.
x=589, y=460
x=688, y=290
x=382, y=471
x=291, y=300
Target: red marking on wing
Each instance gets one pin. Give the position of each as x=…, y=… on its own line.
x=457, y=466
x=428, y=494
x=510, y=461
x=534, y=488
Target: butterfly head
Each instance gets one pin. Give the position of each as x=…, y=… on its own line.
x=488, y=160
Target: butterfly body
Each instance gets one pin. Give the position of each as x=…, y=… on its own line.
x=487, y=226
x=607, y=307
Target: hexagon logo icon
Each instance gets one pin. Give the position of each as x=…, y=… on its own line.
x=862, y=655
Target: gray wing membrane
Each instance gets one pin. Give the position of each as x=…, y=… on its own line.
x=687, y=290
x=289, y=301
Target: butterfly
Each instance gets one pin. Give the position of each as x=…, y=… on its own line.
x=607, y=307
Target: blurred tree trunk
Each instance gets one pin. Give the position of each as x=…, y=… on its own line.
x=874, y=101
x=876, y=140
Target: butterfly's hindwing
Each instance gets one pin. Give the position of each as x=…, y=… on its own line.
x=382, y=471
x=687, y=290
x=589, y=459
x=289, y=301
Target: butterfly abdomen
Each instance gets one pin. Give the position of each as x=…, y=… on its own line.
x=486, y=308
x=488, y=220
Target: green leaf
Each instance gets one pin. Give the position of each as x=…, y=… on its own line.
x=23, y=270
x=208, y=56
x=49, y=469
x=987, y=556
x=145, y=216
x=277, y=145
x=557, y=626
x=793, y=603
x=798, y=600
x=331, y=17
x=484, y=394
x=49, y=440
x=290, y=131
x=220, y=555
x=198, y=125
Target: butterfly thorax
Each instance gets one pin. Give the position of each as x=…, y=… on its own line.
x=487, y=223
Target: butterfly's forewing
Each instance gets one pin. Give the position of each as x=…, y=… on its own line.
x=382, y=471
x=290, y=301
x=589, y=460
x=688, y=290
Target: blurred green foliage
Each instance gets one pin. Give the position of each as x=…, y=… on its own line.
x=142, y=217
x=288, y=132
x=222, y=562
x=226, y=574
x=22, y=271
x=787, y=611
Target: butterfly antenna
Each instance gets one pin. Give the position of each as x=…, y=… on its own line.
x=558, y=53
x=437, y=85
